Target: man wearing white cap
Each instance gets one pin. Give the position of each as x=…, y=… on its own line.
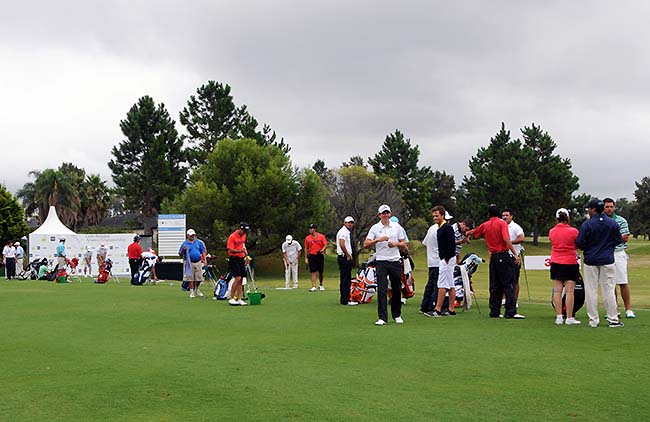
x=387, y=239
x=344, y=259
x=291, y=250
x=102, y=252
x=20, y=254
x=88, y=261
x=193, y=252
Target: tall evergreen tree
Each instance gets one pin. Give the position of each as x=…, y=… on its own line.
x=212, y=116
x=148, y=166
x=12, y=217
x=398, y=161
x=499, y=174
x=556, y=179
x=642, y=195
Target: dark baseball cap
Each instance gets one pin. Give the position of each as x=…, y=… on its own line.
x=244, y=226
x=312, y=226
x=596, y=203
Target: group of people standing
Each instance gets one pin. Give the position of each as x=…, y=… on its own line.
x=12, y=259
x=603, y=239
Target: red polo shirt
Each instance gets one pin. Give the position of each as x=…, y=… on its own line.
x=236, y=241
x=495, y=232
x=134, y=250
x=314, y=244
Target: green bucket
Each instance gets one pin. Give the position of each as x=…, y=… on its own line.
x=255, y=298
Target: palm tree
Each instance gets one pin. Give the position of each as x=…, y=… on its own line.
x=58, y=188
x=27, y=194
x=95, y=199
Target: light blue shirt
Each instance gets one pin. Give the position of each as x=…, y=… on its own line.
x=20, y=253
x=60, y=250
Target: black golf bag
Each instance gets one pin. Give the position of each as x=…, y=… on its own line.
x=578, y=297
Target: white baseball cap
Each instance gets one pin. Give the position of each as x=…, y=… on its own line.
x=383, y=208
x=561, y=211
x=17, y=244
x=289, y=238
x=191, y=232
x=348, y=219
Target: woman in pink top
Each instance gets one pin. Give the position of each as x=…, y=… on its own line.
x=565, y=269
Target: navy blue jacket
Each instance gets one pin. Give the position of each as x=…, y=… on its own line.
x=446, y=242
x=597, y=238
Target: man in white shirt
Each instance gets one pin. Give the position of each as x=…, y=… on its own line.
x=9, y=260
x=102, y=252
x=517, y=238
x=387, y=238
x=20, y=254
x=344, y=259
x=430, y=241
x=291, y=251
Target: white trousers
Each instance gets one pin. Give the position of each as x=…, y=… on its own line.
x=290, y=269
x=19, y=265
x=603, y=276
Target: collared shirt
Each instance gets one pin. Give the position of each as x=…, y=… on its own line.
x=314, y=244
x=515, y=230
x=236, y=242
x=292, y=250
x=431, y=242
x=195, y=249
x=20, y=253
x=9, y=252
x=563, y=244
x=495, y=232
x=394, y=233
x=343, y=233
x=624, y=229
x=60, y=250
x=134, y=250
x=102, y=251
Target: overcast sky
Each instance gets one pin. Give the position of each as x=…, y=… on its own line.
x=334, y=78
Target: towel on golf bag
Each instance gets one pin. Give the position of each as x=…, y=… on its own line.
x=222, y=289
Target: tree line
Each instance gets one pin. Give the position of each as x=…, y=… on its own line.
x=225, y=168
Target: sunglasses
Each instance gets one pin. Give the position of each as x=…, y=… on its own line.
x=385, y=212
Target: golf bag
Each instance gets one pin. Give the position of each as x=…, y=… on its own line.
x=61, y=275
x=462, y=282
x=222, y=288
x=408, y=282
x=143, y=274
x=364, y=286
x=73, y=263
x=32, y=271
x=104, y=272
x=51, y=276
x=578, y=297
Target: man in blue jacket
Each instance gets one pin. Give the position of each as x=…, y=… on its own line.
x=597, y=238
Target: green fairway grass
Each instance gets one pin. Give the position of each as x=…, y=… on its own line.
x=81, y=351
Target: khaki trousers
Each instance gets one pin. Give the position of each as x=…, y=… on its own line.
x=603, y=276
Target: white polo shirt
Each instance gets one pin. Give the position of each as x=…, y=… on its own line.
x=515, y=230
x=291, y=249
x=431, y=242
x=344, y=234
x=394, y=232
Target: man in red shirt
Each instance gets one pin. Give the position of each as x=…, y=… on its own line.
x=315, y=245
x=134, y=252
x=236, y=246
x=503, y=258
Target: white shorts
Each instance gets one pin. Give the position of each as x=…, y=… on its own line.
x=620, y=263
x=446, y=274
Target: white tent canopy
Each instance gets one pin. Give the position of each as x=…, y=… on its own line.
x=52, y=225
x=44, y=240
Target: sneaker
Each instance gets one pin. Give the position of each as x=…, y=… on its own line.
x=199, y=293
x=559, y=320
x=352, y=303
x=191, y=294
x=322, y=288
x=516, y=316
x=403, y=301
x=242, y=303
x=630, y=314
x=423, y=312
x=451, y=313
x=436, y=314
x=233, y=302
x=399, y=320
x=380, y=322
x=572, y=321
x=593, y=324
x=295, y=286
x=313, y=289
x=616, y=324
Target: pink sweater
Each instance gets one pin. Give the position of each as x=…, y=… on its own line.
x=563, y=244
